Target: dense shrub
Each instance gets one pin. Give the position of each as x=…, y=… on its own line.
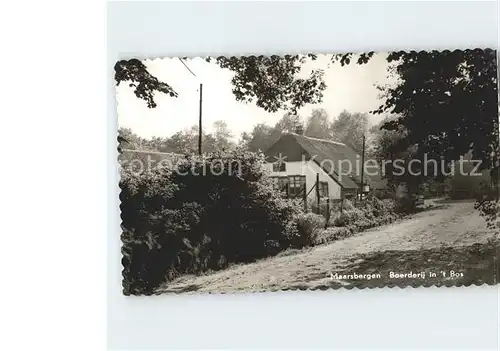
x=364, y=215
x=489, y=209
x=349, y=215
x=334, y=233
x=188, y=219
x=308, y=227
x=387, y=205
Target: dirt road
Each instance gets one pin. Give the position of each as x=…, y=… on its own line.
x=434, y=238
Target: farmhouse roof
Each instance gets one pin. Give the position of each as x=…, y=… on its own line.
x=329, y=155
x=142, y=159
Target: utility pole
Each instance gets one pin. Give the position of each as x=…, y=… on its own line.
x=317, y=193
x=363, y=168
x=200, y=131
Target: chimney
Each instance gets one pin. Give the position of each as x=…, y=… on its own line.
x=299, y=129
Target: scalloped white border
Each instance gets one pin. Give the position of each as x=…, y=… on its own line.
x=444, y=283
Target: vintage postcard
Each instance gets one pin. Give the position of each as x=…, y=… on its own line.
x=313, y=171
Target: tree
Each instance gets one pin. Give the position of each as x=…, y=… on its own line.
x=263, y=135
x=349, y=129
x=396, y=164
x=272, y=82
x=130, y=140
x=189, y=224
x=386, y=151
x=446, y=100
x=245, y=140
x=448, y=103
x=182, y=142
x=145, y=85
x=288, y=123
x=159, y=144
x=185, y=141
x=318, y=125
x=222, y=136
x=259, y=139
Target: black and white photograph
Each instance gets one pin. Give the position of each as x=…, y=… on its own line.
x=308, y=171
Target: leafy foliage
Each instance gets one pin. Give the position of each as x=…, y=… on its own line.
x=274, y=82
x=447, y=101
x=445, y=104
x=259, y=139
x=186, y=142
x=394, y=156
x=181, y=142
x=353, y=219
x=334, y=233
x=144, y=83
x=308, y=226
x=366, y=214
x=318, y=124
x=349, y=129
x=222, y=136
x=346, y=58
x=490, y=210
x=263, y=135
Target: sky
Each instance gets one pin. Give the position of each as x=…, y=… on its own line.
x=350, y=88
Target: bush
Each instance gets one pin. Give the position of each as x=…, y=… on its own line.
x=347, y=217
x=348, y=205
x=192, y=220
x=387, y=206
x=308, y=226
x=489, y=209
x=366, y=214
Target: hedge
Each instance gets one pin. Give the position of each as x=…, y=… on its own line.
x=356, y=218
x=185, y=218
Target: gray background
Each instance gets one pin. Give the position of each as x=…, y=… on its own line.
x=430, y=318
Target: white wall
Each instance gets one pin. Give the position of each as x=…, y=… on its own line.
x=309, y=169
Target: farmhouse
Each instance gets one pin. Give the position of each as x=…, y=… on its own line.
x=296, y=162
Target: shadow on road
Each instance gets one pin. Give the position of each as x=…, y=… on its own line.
x=445, y=266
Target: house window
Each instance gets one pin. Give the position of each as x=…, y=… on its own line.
x=279, y=167
x=296, y=185
x=323, y=189
x=280, y=183
x=292, y=185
